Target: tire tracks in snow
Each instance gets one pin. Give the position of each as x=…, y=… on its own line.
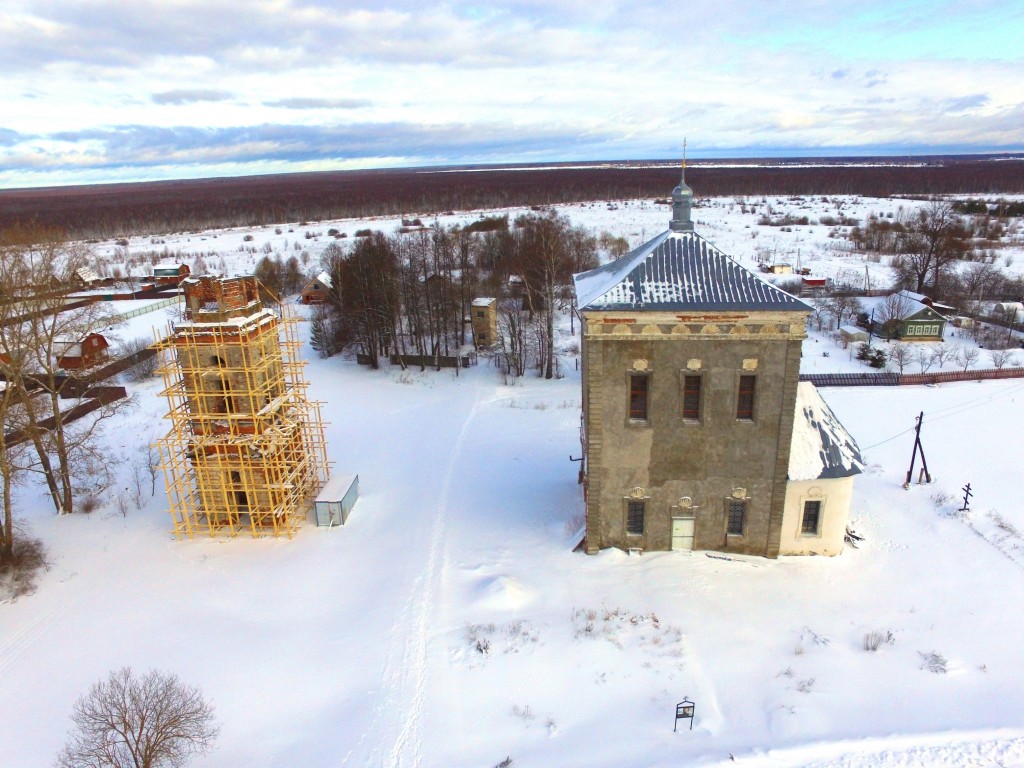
x=398, y=714
x=14, y=647
x=63, y=598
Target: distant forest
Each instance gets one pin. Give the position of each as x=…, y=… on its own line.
x=115, y=210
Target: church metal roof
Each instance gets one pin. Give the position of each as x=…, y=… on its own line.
x=679, y=271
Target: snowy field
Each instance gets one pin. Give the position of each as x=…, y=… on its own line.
x=730, y=223
x=448, y=624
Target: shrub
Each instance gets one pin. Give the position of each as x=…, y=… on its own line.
x=874, y=640
x=18, y=573
x=934, y=662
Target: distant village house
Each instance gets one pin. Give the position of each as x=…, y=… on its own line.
x=910, y=316
x=170, y=271
x=317, y=289
x=83, y=353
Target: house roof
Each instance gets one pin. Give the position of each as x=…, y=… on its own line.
x=324, y=278
x=67, y=348
x=87, y=275
x=821, y=447
x=679, y=270
x=483, y=302
x=920, y=298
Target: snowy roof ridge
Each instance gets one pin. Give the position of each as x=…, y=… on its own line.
x=679, y=271
x=821, y=447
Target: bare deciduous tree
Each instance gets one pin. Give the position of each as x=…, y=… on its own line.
x=151, y=462
x=513, y=338
x=549, y=250
x=899, y=355
x=843, y=308
x=1002, y=358
x=131, y=722
x=942, y=353
x=925, y=359
x=967, y=356
x=932, y=239
x=36, y=267
x=147, y=361
x=888, y=314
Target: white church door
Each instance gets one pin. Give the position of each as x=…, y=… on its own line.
x=682, y=534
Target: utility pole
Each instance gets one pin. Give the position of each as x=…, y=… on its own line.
x=918, y=446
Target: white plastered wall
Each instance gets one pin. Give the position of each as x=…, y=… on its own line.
x=835, y=495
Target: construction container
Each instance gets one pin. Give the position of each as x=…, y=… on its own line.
x=334, y=503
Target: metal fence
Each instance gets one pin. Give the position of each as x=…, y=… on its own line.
x=898, y=379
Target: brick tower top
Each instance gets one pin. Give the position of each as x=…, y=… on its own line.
x=217, y=299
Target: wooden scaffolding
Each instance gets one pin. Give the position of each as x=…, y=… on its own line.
x=246, y=449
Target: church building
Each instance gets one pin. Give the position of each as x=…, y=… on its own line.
x=691, y=367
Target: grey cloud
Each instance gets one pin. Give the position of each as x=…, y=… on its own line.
x=9, y=138
x=313, y=103
x=189, y=96
x=144, y=146
x=965, y=103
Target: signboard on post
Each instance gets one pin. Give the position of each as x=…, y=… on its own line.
x=684, y=711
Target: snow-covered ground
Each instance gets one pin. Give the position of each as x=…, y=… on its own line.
x=730, y=223
x=449, y=624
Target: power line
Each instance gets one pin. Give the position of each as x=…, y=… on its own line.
x=955, y=410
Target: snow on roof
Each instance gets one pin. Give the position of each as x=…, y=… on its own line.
x=821, y=448
x=679, y=271
x=324, y=278
x=918, y=297
x=336, y=487
x=261, y=317
x=87, y=275
x=482, y=302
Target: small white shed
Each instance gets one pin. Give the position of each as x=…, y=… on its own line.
x=850, y=333
x=334, y=503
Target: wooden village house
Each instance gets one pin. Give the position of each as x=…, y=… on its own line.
x=912, y=317
x=317, y=289
x=170, y=272
x=696, y=434
x=73, y=355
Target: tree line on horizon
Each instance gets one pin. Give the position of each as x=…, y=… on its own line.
x=119, y=210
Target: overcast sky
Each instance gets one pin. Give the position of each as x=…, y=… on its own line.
x=94, y=91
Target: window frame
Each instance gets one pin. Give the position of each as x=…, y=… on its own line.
x=816, y=533
x=699, y=378
x=741, y=415
x=744, y=505
x=630, y=393
x=629, y=519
